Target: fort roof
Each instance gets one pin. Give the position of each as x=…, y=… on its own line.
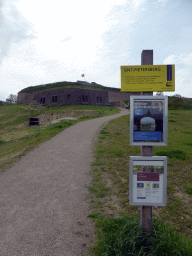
x=65, y=84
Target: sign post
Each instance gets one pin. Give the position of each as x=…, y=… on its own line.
x=148, y=128
x=146, y=211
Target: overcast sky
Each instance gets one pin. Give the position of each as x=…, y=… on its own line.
x=44, y=41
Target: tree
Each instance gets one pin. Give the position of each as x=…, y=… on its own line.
x=12, y=98
x=159, y=94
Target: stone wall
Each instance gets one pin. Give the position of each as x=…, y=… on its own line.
x=119, y=96
x=73, y=96
x=119, y=104
x=25, y=97
x=65, y=96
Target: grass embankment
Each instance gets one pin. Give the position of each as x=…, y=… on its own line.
x=172, y=225
x=16, y=139
x=65, y=84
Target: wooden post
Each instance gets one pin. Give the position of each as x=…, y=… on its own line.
x=146, y=211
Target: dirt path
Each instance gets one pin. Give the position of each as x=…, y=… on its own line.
x=43, y=207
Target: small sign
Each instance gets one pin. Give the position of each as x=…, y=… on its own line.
x=148, y=180
x=148, y=120
x=148, y=78
x=33, y=121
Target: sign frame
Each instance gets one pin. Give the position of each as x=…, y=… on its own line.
x=156, y=189
x=158, y=134
x=148, y=78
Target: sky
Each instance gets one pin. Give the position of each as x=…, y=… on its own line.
x=49, y=41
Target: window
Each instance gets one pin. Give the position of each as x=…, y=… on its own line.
x=99, y=99
x=54, y=99
x=42, y=100
x=86, y=98
x=83, y=98
x=68, y=97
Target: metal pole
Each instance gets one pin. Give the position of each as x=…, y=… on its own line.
x=146, y=211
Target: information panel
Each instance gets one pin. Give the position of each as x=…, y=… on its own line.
x=148, y=120
x=148, y=180
x=147, y=78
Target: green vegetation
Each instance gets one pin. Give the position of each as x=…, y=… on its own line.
x=175, y=103
x=60, y=85
x=178, y=154
x=123, y=237
x=16, y=138
x=127, y=102
x=116, y=221
x=179, y=103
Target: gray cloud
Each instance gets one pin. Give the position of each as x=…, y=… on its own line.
x=13, y=28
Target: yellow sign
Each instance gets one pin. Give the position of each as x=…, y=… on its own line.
x=148, y=78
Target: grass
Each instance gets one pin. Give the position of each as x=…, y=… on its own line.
x=124, y=236
x=180, y=103
x=65, y=84
x=16, y=139
x=116, y=221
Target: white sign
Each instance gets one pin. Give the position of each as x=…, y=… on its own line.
x=148, y=180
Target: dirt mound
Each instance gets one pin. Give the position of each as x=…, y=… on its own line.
x=47, y=118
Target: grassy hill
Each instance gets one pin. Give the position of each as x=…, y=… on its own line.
x=175, y=103
x=179, y=103
x=65, y=84
x=117, y=222
x=16, y=138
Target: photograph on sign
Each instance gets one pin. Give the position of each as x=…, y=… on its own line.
x=148, y=181
x=148, y=120
x=148, y=78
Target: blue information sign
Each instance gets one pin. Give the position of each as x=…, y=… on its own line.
x=148, y=119
x=144, y=136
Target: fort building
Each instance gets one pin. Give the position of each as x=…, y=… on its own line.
x=71, y=95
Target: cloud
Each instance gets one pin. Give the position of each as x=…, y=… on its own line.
x=66, y=39
x=162, y=1
x=185, y=59
x=170, y=60
x=123, y=23
x=183, y=77
x=14, y=28
x=3, y=95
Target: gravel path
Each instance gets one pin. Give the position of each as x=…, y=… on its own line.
x=43, y=206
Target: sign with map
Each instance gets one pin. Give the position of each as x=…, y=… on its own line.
x=148, y=78
x=148, y=181
x=148, y=120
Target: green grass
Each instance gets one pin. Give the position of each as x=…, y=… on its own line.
x=172, y=224
x=124, y=236
x=16, y=139
x=175, y=103
x=60, y=85
x=178, y=154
